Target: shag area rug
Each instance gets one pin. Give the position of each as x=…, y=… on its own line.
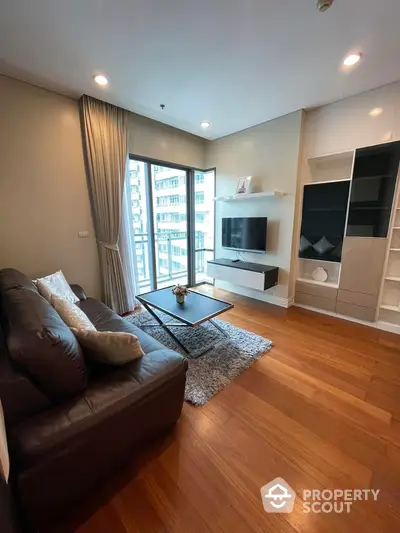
x=226, y=359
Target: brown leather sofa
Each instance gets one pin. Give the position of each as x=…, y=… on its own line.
x=69, y=425
x=8, y=516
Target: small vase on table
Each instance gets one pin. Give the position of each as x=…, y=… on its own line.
x=180, y=299
x=180, y=293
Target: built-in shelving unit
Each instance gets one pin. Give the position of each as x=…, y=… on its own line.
x=330, y=167
x=362, y=259
x=251, y=196
x=306, y=268
x=331, y=284
x=393, y=308
x=389, y=309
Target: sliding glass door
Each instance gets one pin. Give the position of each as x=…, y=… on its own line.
x=173, y=222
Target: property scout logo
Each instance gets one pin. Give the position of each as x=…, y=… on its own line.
x=279, y=497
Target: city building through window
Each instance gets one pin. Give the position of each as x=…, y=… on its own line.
x=161, y=220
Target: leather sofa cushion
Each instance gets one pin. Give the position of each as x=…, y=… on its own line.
x=66, y=425
x=40, y=343
x=104, y=319
x=19, y=396
x=11, y=279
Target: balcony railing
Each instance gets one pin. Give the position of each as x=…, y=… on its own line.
x=166, y=260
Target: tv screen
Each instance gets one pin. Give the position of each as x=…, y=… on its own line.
x=245, y=233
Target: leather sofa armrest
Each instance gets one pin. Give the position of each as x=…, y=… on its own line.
x=8, y=515
x=79, y=292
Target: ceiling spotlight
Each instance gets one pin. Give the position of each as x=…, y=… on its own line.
x=101, y=80
x=376, y=112
x=205, y=124
x=352, y=59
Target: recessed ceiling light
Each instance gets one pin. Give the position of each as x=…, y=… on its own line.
x=376, y=112
x=352, y=59
x=205, y=124
x=101, y=80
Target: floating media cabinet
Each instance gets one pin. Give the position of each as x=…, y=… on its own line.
x=250, y=275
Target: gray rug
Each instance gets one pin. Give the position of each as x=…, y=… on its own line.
x=226, y=359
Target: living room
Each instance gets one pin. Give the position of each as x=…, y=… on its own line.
x=217, y=259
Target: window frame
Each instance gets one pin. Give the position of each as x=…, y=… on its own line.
x=190, y=180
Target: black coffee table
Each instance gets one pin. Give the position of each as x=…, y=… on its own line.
x=198, y=308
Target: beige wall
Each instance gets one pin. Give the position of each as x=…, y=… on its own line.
x=270, y=153
x=44, y=200
x=148, y=138
x=347, y=124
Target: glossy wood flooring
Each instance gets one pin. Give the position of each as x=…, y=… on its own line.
x=321, y=410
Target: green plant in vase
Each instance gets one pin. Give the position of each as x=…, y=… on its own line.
x=180, y=292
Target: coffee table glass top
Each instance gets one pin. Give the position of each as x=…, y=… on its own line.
x=197, y=307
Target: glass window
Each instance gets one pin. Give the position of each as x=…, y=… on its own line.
x=204, y=223
x=169, y=245
x=199, y=197
x=170, y=228
x=137, y=174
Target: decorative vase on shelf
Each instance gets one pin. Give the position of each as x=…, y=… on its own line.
x=320, y=274
x=180, y=293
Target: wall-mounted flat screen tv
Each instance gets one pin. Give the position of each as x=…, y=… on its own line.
x=246, y=234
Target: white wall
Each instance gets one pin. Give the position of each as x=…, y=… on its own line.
x=270, y=153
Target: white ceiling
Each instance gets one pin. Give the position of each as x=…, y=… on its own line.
x=235, y=62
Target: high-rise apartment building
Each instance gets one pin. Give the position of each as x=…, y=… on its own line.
x=170, y=211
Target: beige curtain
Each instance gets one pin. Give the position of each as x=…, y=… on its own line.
x=105, y=130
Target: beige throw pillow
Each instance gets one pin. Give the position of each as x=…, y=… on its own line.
x=4, y=457
x=56, y=285
x=109, y=347
x=72, y=315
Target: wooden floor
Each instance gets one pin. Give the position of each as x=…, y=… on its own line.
x=321, y=410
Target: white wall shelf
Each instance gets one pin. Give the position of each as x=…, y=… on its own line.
x=251, y=196
x=332, y=157
x=326, y=181
x=320, y=283
x=391, y=308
